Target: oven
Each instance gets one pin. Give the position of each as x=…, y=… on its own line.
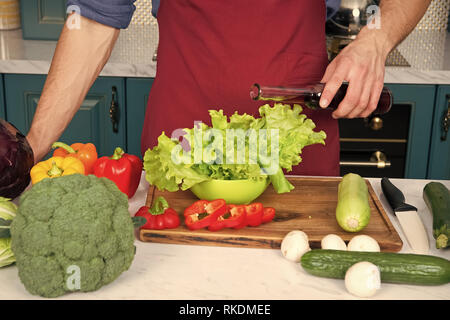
x=376, y=146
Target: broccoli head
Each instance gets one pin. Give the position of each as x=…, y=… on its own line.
x=72, y=233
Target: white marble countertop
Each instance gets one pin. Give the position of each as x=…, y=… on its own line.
x=427, y=52
x=172, y=272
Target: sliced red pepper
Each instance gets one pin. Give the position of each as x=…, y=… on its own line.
x=243, y=223
x=268, y=214
x=203, y=213
x=234, y=216
x=254, y=214
x=196, y=207
x=238, y=216
x=219, y=224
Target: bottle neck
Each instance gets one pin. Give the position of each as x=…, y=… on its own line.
x=307, y=94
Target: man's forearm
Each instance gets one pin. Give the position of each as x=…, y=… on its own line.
x=397, y=19
x=79, y=57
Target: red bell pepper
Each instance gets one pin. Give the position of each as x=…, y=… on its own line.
x=254, y=214
x=268, y=214
x=234, y=216
x=124, y=169
x=159, y=216
x=203, y=213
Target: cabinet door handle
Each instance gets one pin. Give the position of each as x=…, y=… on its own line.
x=446, y=121
x=114, y=111
x=377, y=160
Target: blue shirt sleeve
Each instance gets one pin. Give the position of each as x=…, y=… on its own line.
x=113, y=13
x=155, y=7
x=332, y=7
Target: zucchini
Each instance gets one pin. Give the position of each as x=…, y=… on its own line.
x=353, y=210
x=437, y=198
x=404, y=268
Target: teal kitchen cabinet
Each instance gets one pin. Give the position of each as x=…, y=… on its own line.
x=420, y=98
x=138, y=90
x=92, y=122
x=2, y=99
x=439, y=161
x=42, y=19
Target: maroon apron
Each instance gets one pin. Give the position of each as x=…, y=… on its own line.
x=211, y=52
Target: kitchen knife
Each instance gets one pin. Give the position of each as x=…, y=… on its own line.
x=408, y=217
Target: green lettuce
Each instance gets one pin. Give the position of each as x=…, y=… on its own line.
x=233, y=148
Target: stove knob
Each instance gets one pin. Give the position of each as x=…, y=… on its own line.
x=376, y=123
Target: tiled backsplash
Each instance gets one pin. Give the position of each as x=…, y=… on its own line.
x=424, y=48
x=140, y=40
x=437, y=16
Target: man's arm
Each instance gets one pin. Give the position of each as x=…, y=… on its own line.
x=79, y=57
x=362, y=62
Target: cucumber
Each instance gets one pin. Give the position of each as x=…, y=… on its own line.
x=403, y=268
x=353, y=210
x=437, y=198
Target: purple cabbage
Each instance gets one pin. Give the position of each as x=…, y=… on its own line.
x=16, y=161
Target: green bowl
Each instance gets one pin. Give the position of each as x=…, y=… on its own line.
x=232, y=191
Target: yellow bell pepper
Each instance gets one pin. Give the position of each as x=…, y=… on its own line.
x=56, y=167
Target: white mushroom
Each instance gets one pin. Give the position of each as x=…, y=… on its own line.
x=294, y=245
x=363, y=279
x=363, y=243
x=333, y=242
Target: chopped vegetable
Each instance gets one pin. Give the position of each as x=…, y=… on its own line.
x=268, y=214
x=363, y=243
x=333, y=242
x=71, y=226
x=294, y=245
x=159, y=216
x=363, y=279
x=86, y=153
x=202, y=213
x=234, y=216
x=56, y=167
x=255, y=213
x=123, y=169
x=16, y=161
x=281, y=123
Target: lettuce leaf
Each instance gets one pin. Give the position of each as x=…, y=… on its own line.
x=232, y=149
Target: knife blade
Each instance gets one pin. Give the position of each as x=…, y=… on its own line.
x=407, y=216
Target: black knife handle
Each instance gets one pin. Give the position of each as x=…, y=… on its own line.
x=394, y=196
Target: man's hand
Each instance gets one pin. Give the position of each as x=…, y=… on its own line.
x=362, y=62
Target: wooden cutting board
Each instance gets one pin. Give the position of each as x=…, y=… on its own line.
x=310, y=207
